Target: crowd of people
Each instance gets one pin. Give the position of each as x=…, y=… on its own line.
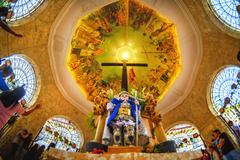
x=22, y=147
x=221, y=148
x=6, y=13
x=11, y=100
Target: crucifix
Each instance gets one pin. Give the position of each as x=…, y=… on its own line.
x=124, y=71
x=124, y=85
x=125, y=51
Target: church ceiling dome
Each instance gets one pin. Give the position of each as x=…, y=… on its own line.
x=124, y=31
x=161, y=40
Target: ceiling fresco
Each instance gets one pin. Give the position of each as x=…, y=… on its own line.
x=130, y=32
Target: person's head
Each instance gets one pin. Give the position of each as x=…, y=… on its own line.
x=215, y=134
x=9, y=14
x=23, y=102
x=124, y=95
x=24, y=133
x=230, y=123
x=8, y=63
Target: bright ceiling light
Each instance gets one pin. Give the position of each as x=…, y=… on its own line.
x=125, y=53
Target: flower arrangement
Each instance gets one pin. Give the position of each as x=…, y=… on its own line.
x=74, y=145
x=222, y=110
x=185, y=140
x=47, y=128
x=56, y=134
x=195, y=135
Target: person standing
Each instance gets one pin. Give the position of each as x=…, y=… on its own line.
x=7, y=13
x=25, y=146
x=228, y=150
x=9, y=105
x=17, y=143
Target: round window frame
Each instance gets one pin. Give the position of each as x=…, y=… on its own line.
x=30, y=16
x=37, y=75
x=210, y=86
x=209, y=101
x=218, y=22
x=69, y=119
x=181, y=123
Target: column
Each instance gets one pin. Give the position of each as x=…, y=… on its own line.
x=100, y=128
x=160, y=133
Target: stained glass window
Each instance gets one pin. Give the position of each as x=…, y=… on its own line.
x=62, y=133
x=24, y=75
x=186, y=137
x=23, y=8
x=227, y=11
x=225, y=94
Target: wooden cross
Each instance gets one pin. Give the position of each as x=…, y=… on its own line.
x=124, y=71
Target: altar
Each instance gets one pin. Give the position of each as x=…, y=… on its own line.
x=124, y=149
x=125, y=80
x=54, y=154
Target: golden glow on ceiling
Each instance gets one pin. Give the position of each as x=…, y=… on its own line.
x=101, y=37
x=125, y=52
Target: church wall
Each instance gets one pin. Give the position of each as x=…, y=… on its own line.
x=34, y=44
x=218, y=49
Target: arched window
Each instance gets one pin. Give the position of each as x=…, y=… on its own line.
x=25, y=73
x=62, y=133
x=225, y=95
x=227, y=11
x=186, y=137
x=23, y=8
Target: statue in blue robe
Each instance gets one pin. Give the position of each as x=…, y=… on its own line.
x=121, y=121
